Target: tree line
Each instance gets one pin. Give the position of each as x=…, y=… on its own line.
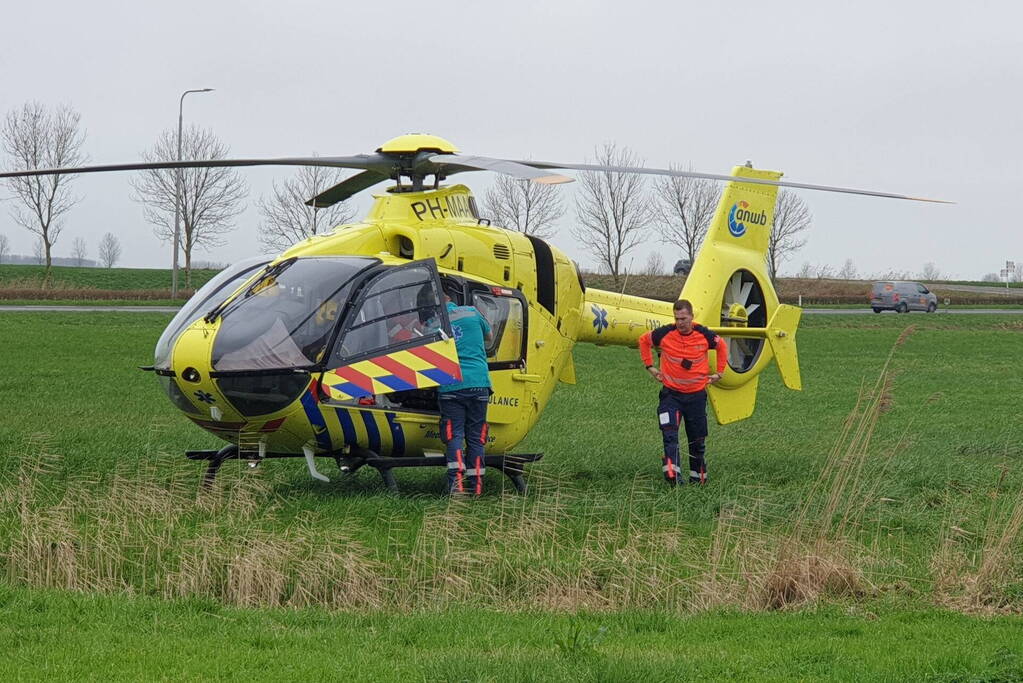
x=614, y=212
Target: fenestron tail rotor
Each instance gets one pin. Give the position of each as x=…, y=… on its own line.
x=743, y=305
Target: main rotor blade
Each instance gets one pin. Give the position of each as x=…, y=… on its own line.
x=456, y=163
x=346, y=188
x=716, y=176
x=375, y=162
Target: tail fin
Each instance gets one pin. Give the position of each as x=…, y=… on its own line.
x=731, y=293
x=781, y=335
x=735, y=404
x=738, y=237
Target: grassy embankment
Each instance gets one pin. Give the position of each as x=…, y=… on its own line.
x=813, y=292
x=126, y=286
x=882, y=522
x=98, y=286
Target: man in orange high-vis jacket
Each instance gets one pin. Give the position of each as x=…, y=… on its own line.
x=685, y=373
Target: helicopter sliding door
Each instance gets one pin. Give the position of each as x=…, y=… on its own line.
x=396, y=337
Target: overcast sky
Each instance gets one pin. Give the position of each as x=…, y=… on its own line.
x=919, y=98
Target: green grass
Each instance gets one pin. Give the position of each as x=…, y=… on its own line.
x=98, y=449
x=91, y=302
x=53, y=636
x=70, y=277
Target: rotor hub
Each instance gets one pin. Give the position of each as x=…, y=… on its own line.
x=417, y=142
x=735, y=315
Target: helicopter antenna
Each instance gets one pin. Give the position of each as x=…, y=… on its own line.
x=621, y=297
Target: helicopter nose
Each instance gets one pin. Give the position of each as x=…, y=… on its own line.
x=190, y=364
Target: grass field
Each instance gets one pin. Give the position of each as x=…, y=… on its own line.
x=110, y=286
x=868, y=526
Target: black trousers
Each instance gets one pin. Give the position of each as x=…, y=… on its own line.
x=675, y=409
x=463, y=424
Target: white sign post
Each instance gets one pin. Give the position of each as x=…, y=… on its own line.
x=1008, y=271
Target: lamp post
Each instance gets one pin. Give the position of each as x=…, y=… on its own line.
x=177, y=197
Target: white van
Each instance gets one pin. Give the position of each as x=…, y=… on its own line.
x=902, y=297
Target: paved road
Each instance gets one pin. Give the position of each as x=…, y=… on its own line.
x=1010, y=292
x=172, y=309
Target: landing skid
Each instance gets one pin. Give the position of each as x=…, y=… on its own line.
x=349, y=462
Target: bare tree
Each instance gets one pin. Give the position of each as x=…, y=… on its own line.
x=791, y=219
x=654, y=264
x=210, y=197
x=990, y=277
x=823, y=271
x=34, y=137
x=848, y=271
x=79, y=250
x=521, y=205
x=5, y=247
x=931, y=272
x=892, y=274
x=287, y=219
x=685, y=207
x=805, y=271
x=109, y=250
x=38, y=252
x=612, y=209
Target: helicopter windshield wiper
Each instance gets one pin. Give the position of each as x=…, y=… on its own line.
x=269, y=272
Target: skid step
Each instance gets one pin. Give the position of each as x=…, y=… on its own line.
x=511, y=464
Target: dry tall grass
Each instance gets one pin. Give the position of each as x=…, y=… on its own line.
x=764, y=558
x=983, y=572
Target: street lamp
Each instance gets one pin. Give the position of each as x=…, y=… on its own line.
x=177, y=197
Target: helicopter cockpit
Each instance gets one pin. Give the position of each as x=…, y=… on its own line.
x=303, y=316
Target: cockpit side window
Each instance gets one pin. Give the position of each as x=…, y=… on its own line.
x=506, y=312
x=400, y=308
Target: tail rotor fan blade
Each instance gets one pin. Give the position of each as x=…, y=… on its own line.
x=733, y=287
x=744, y=294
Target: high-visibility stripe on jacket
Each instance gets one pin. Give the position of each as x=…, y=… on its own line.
x=677, y=348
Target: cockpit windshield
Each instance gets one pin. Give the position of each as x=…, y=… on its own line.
x=209, y=296
x=285, y=318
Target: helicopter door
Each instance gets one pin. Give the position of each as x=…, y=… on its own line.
x=396, y=337
x=506, y=310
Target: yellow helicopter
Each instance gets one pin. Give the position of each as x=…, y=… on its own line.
x=325, y=350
